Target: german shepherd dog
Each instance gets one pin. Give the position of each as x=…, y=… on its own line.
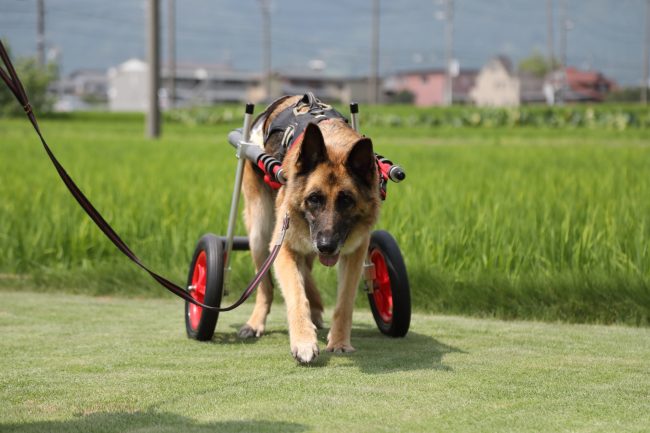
x=332, y=198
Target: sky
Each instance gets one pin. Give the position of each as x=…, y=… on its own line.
x=606, y=35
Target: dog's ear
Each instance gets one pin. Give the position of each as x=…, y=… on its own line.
x=312, y=150
x=361, y=161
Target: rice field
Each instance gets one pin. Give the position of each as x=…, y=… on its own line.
x=527, y=222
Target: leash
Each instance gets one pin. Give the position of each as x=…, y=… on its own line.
x=10, y=77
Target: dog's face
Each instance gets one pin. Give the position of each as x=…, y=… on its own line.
x=337, y=187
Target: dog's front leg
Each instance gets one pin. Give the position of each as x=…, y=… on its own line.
x=350, y=269
x=290, y=269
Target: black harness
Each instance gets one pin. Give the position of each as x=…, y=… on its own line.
x=291, y=123
x=293, y=120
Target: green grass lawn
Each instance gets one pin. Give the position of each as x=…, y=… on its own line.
x=523, y=222
x=74, y=363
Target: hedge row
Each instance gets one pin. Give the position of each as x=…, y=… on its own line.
x=606, y=116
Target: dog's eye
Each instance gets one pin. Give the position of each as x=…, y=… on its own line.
x=315, y=199
x=344, y=201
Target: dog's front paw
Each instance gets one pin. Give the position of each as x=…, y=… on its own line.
x=305, y=352
x=339, y=342
x=340, y=347
x=247, y=331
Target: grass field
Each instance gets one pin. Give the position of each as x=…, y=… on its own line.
x=74, y=363
x=526, y=222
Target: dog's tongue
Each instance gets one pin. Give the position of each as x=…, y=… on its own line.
x=328, y=260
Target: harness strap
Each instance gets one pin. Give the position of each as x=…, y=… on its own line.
x=293, y=120
x=10, y=77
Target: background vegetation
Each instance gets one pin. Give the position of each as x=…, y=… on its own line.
x=521, y=219
x=602, y=117
x=34, y=77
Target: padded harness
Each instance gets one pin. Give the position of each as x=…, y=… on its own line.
x=293, y=120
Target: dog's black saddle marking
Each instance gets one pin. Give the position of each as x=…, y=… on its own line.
x=292, y=121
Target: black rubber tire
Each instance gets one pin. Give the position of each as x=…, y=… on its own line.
x=400, y=322
x=213, y=247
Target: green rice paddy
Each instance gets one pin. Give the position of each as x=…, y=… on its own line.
x=522, y=222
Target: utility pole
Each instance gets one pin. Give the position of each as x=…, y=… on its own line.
x=373, y=81
x=171, y=50
x=266, y=45
x=153, y=59
x=564, y=28
x=646, y=53
x=449, y=51
x=550, y=39
x=40, y=32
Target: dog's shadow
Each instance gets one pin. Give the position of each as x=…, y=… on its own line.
x=233, y=338
x=376, y=353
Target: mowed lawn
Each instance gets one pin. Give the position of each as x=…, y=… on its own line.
x=72, y=363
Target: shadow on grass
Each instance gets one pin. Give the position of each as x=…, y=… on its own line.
x=377, y=353
x=232, y=338
x=149, y=421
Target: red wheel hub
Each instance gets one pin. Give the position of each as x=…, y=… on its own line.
x=199, y=277
x=382, y=292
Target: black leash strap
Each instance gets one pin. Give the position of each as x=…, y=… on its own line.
x=15, y=86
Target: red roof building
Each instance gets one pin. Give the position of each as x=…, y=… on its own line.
x=587, y=85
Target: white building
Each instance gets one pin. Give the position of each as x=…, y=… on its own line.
x=496, y=85
x=127, y=86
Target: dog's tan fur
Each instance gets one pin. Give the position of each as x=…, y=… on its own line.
x=342, y=171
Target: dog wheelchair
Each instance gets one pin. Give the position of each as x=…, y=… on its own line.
x=385, y=276
x=385, y=273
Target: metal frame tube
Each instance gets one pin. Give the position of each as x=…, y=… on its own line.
x=354, y=116
x=236, y=192
x=254, y=153
x=368, y=266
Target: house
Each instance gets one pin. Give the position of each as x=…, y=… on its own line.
x=428, y=86
x=81, y=89
x=584, y=86
x=127, y=86
x=214, y=84
x=531, y=89
x=211, y=84
x=194, y=85
x=327, y=88
x=496, y=84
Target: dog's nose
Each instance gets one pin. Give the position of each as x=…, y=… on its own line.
x=326, y=243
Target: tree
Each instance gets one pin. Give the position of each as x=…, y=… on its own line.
x=537, y=64
x=36, y=79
